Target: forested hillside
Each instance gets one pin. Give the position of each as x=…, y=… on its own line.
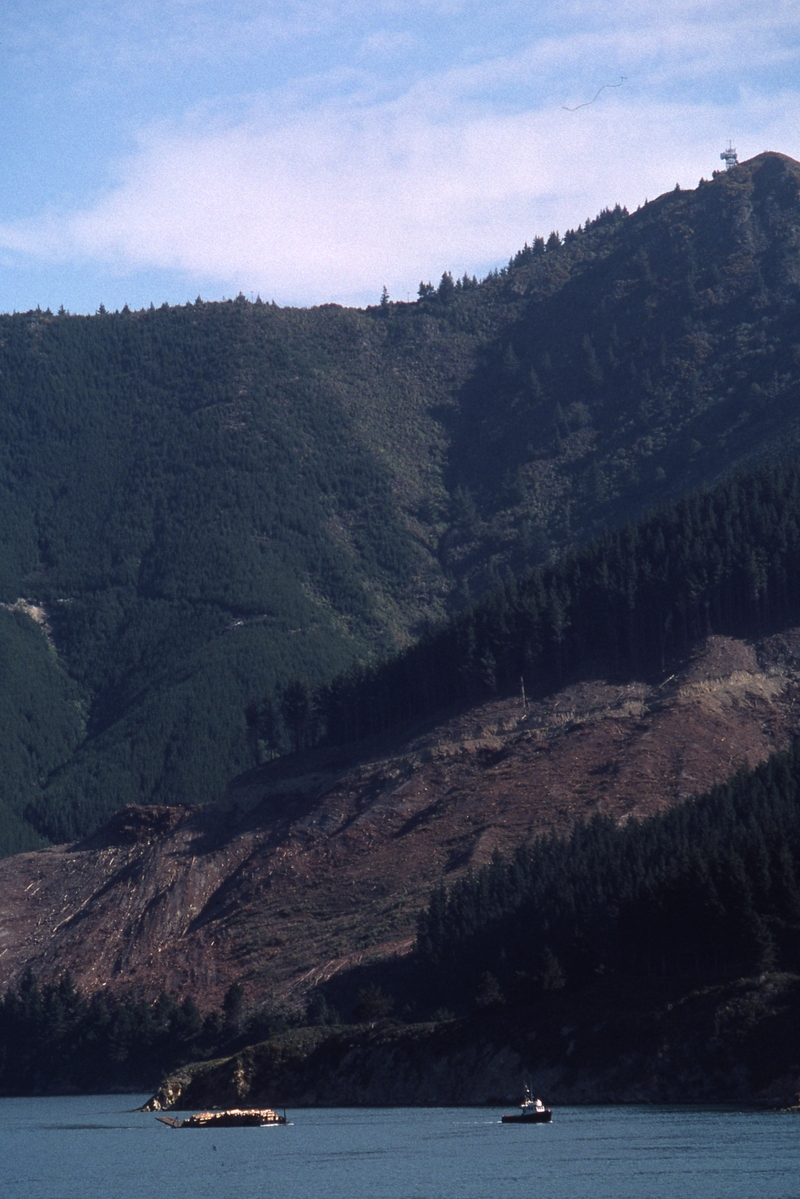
x=195, y=525
x=626, y=605
x=206, y=511
x=707, y=891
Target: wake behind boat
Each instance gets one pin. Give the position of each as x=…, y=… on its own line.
x=531, y=1111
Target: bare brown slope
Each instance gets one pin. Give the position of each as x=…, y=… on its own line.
x=316, y=862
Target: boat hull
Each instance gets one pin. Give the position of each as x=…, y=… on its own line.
x=543, y=1117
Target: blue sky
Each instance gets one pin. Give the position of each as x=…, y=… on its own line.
x=310, y=152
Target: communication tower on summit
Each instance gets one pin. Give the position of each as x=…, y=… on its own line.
x=729, y=157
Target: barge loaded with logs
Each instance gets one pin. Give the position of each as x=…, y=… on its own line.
x=234, y=1117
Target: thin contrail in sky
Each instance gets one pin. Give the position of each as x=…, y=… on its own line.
x=586, y=103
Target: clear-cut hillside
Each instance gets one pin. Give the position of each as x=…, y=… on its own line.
x=317, y=862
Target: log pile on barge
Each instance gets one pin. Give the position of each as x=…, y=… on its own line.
x=234, y=1117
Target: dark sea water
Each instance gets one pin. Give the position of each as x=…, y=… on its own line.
x=96, y=1148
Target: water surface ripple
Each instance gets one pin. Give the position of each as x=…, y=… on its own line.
x=95, y=1147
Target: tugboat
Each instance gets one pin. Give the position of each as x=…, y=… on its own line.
x=531, y=1111
x=234, y=1117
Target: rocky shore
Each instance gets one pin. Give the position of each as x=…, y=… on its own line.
x=618, y=1043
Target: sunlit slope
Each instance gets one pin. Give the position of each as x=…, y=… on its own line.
x=186, y=498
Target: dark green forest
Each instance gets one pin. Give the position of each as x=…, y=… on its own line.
x=215, y=510
x=198, y=528
x=627, y=605
x=54, y=1039
x=708, y=891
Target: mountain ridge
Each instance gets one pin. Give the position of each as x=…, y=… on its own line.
x=279, y=499
x=209, y=503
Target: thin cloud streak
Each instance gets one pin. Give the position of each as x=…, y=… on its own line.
x=334, y=204
x=327, y=185
x=170, y=33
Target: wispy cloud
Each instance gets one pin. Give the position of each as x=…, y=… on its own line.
x=389, y=41
x=343, y=175
x=335, y=204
